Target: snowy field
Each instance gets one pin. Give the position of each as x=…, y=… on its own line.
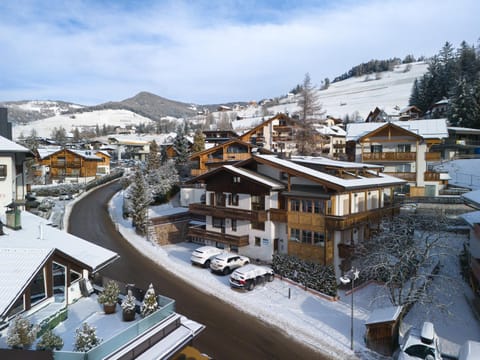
x=322, y=324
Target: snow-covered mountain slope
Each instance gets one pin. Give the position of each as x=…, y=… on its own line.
x=91, y=119
x=389, y=90
x=20, y=112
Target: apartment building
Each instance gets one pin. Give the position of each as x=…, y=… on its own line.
x=405, y=149
x=311, y=207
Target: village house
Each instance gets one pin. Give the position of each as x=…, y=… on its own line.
x=405, y=149
x=311, y=207
x=57, y=164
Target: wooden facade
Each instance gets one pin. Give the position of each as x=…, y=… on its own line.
x=68, y=163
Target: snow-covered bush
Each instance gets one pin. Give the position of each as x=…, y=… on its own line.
x=110, y=293
x=86, y=338
x=149, y=304
x=21, y=333
x=129, y=301
x=312, y=275
x=50, y=341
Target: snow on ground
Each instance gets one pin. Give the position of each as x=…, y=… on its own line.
x=81, y=120
x=463, y=172
x=320, y=323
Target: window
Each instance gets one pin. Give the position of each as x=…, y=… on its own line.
x=74, y=276
x=233, y=199
x=257, y=241
x=234, y=224
x=306, y=236
x=258, y=202
x=236, y=179
x=218, y=222
x=37, y=288
x=403, y=148
x=318, y=207
x=376, y=148
x=294, y=205
x=3, y=171
x=258, y=225
x=294, y=234
x=318, y=239
x=307, y=206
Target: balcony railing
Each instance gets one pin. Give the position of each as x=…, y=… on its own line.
x=229, y=239
x=228, y=212
x=409, y=176
x=348, y=221
x=67, y=164
x=433, y=156
x=389, y=156
x=278, y=215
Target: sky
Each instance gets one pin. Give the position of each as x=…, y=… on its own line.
x=204, y=52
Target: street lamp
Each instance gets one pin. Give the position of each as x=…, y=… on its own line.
x=350, y=277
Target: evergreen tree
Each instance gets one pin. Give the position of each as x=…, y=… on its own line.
x=59, y=135
x=21, y=333
x=76, y=135
x=140, y=199
x=468, y=62
x=149, y=304
x=198, y=141
x=464, y=108
x=181, y=147
x=97, y=130
x=153, y=159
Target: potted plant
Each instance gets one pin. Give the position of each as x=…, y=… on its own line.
x=109, y=297
x=150, y=304
x=86, y=338
x=50, y=341
x=21, y=333
x=128, y=306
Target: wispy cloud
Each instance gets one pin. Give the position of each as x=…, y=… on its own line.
x=209, y=51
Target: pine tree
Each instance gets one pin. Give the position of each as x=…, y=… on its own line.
x=153, y=159
x=140, y=199
x=198, y=141
x=464, y=108
x=21, y=333
x=86, y=338
x=181, y=147
x=149, y=304
x=50, y=341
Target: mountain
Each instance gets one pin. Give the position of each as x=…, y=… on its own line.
x=22, y=112
x=149, y=105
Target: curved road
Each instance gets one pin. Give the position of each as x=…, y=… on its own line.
x=229, y=334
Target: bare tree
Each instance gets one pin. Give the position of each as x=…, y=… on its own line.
x=309, y=108
x=405, y=255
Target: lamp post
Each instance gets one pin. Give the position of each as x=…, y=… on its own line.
x=350, y=277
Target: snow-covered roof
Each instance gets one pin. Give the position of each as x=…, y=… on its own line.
x=359, y=181
x=37, y=234
x=333, y=130
x=255, y=177
x=472, y=197
x=7, y=145
x=385, y=314
x=86, y=154
x=471, y=218
x=17, y=266
x=46, y=152
x=319, y=160
x=428, y=129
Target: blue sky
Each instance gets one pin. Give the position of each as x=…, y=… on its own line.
x=89, y=52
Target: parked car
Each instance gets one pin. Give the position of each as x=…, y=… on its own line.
x=203, y=255
x=227, y=262
x=421, y=344
x=246, y=277
x=470, y=350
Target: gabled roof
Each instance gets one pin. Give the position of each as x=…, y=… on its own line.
x=7, y=145
x=334, y=182
x=245, y=173
x=44, y=153
x=385, y=128
x=224, y=144
x=17, y=269
x=266, y=122
x=428, y=129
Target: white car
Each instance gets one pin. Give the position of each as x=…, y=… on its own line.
x=203, y=255
x=246, y=277
x=422, y=344
x=227, y=262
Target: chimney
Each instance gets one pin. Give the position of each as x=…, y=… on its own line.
x=5, y=126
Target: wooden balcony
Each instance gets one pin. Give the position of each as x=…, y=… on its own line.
x=63, y=164
x=229, y=239
x=389, y=156
x=431, y=176
x=278, y=215
x=229, y=157
x=198, y=172
x=283, y=138
x=409, y=176
x=282, y=128
x=228, y=212
x=349, y=221
x=433, y=156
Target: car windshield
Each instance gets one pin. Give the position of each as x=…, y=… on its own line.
x=420, y=351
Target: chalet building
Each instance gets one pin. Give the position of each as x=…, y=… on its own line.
x=410, y=113
x=228, y=152
x=472, y=219
x=405, y=149
x=129, y=148
x=310, y=207
x=71, y=165
x=332, y=141
x=461, y=142
x=216, y=137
